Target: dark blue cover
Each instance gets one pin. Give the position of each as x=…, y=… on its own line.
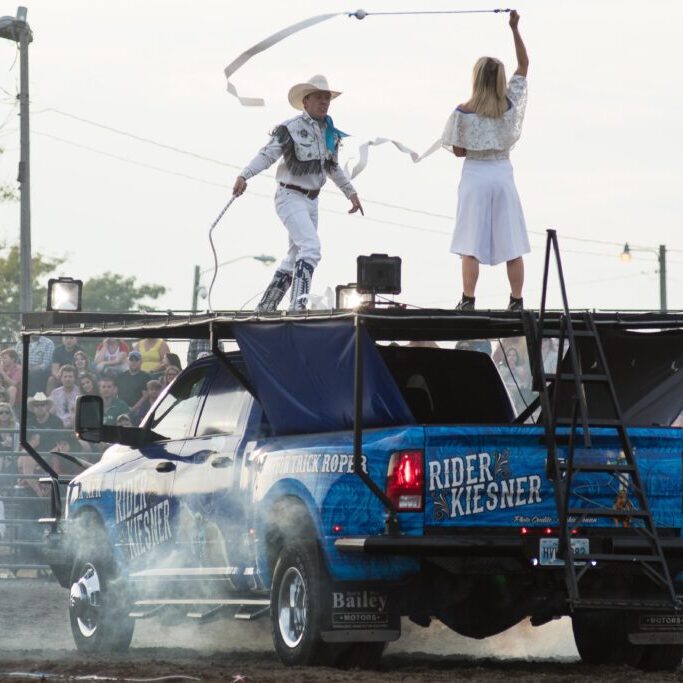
x=303, y=376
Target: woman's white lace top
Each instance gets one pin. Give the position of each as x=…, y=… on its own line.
x=484, y=137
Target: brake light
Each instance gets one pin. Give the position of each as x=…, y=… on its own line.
x=405, y=480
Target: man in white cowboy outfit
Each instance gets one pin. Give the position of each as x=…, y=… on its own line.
x=308, y=145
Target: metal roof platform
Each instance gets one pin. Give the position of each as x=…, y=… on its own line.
x=385, y=323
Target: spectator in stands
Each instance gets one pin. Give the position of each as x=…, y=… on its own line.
x=171, y=359
x=153, y=390
x=152, y=352
x=516, y=376
x=40, y=350
x=81, y=363
x=111, y=357
x=169, y=375
x=550, y=351
x=195, y=347
x=64, y=397
x=9, y=435
x=113, y=406
x=10, y=375
x=124, y=420
x=132, y=383
x=40, y=418
x=63, y=355
x=87, y=384
x=481, y=345
x=9, y=445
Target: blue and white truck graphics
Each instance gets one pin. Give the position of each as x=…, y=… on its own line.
x=239, y=493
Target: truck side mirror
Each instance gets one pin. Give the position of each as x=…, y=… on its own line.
x=89, y=418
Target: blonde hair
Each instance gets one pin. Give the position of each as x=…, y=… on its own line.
x=489, y=88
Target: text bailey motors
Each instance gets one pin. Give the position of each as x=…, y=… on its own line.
x=470, y=484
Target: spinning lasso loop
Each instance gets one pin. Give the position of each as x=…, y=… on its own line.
x=312, y=21
x=213, y=247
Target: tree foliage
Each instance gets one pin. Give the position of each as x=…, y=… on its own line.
x=115, y=293
x=7, y=192
x=107, y=292
x=10, y=275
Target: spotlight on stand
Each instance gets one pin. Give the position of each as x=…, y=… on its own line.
x=64, y=294
x=379, y=274
x=348, y=297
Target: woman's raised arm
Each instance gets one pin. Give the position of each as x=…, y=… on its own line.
x=520, y=49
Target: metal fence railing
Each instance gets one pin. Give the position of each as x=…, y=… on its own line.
x=25, y=501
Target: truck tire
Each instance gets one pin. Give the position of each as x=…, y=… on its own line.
x=98, y=607
x=601, y=638
x=295, y=607
x=661, y=657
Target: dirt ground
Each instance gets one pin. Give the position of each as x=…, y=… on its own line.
x=35, y=643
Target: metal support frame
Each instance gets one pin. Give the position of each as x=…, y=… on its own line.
x=23, y=439
x=651, y=560
x=391, y=525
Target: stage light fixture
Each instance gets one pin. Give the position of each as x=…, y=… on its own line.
x=64, y=294
x=349, y=298
x=379, y=274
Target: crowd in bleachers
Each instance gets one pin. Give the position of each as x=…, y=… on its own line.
x=128, y=377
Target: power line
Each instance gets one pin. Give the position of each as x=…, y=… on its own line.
x=201, y=157
x=203, y=181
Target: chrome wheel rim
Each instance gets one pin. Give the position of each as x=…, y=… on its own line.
x=291, y=607
x=85, y=601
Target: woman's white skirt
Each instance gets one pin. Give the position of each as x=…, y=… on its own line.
x=490, y=222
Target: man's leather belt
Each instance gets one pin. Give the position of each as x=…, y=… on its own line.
x=311, y=194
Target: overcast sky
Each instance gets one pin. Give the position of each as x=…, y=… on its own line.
x=600, y=158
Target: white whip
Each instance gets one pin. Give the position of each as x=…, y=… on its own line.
x=213, y=248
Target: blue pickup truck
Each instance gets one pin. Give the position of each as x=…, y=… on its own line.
x=339, y=471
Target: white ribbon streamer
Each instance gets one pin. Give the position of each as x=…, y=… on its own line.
x=264, y=45
x=363, y=154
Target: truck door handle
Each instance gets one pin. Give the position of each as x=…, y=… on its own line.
x=165, y=466
x=223, y=461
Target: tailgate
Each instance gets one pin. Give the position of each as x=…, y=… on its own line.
x=494, y=476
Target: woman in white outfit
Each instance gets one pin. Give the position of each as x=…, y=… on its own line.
x=489, y=226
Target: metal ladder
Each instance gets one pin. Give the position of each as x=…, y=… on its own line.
x=563, y=470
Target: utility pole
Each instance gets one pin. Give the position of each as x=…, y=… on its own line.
x=17, y=30
x=26, y=290
x=195, y=289
x=662, y=278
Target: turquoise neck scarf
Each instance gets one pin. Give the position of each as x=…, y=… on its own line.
x=332, y=134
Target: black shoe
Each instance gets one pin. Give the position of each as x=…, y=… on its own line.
x=516, y=304
x=466, y=303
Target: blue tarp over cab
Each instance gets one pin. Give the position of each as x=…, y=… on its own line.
x=303, y=376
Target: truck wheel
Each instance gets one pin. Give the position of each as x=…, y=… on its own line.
x=661, y=657
x=97, y=610
x=601, y=638
x=295, y=607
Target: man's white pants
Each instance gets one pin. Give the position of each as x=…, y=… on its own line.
x=299, y=214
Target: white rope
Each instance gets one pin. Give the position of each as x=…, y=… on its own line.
x=363, y=154
x=312, y=21
x=307, y=23
x=264, y=45
x=213, y=248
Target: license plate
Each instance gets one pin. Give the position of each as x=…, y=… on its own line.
x=548, y=551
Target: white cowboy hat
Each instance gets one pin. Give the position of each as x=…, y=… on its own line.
x=313, y=84
x=38, y=398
